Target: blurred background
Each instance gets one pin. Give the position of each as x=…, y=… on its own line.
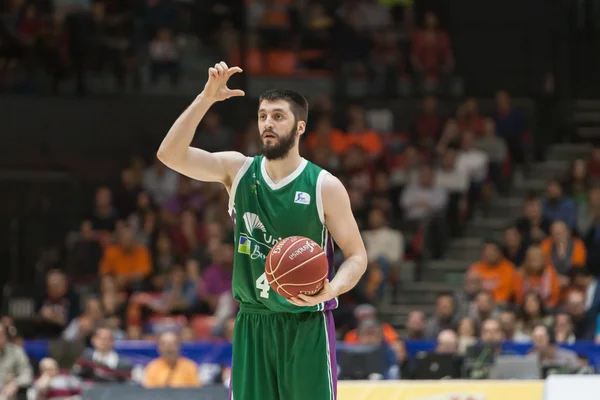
x=465, y=132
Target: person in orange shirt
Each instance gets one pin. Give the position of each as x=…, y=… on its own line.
x=128, y=261
x=497, y=274
x=171, y=369
x=325, y=135
x=563, y=251
x=537, y=276
x=359, y=134
x=368, y=312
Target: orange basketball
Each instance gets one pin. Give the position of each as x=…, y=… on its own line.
x=296, y=265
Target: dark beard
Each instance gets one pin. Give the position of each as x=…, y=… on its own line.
x=281, y=149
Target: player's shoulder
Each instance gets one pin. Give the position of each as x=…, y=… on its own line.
x=332, y=186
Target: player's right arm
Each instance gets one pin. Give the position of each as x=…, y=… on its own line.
x=175, y=150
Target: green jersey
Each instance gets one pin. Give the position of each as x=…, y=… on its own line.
x=264, y=212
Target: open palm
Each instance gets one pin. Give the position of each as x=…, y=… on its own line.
x=216, y=87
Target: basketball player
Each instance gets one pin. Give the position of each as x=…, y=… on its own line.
x=282, y=350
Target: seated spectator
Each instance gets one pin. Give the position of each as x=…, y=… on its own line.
x=588, y=213
x=508, y=322
x=179, y=295
x=533, y=225
x=447, y=342
x=326, y=135
x=564, y=251
x=423, y=198
x=467, y=334
x=558, y=207
x=127, y=192
x=170, y=369
x=537, y=276
x=359, y=134
x=164, y=57
x=368, y=312
x=465, y=296
x=432, y=56
x=444, y=318
x=186, y=198
x=456, y=182
x=82, y=327
x=563, y=329
x=84, y=252
x=104, y=216
x=188, y=237
x=216, y=278
x=497, y=273
x=160, y=182
x=427, y=127
x=584, y=281
x=16, y=373
x=164, y=257
x=415, y=325
x=102, y=364
x=472, y=160
x=578, y=182
x=510, y=126
x=127, y=260
x=57, y=307
x=549, y=354
x=370, y=332
x=531, y=313
x=495, y=148
x=514, y=249
x=54, y=384
x=484, y=308
x=114, y=304
x=584, y=323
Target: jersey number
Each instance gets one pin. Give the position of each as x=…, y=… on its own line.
x=263, y=285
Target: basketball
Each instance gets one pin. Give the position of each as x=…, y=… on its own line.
x=296, y=265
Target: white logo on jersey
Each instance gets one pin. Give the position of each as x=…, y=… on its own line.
x=302, y=198
x=253, y=222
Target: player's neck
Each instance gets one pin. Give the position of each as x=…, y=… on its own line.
x=281, y=169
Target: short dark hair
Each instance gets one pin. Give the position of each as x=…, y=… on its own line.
x=298, y=103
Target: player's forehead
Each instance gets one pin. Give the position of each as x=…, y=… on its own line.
x=268, y=106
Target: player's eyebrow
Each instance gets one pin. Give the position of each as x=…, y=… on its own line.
x=273, y=110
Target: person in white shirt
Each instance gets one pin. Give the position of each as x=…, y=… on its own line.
x=423, y=198
x=472, y=160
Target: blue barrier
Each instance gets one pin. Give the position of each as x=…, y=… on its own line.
x=141, y=352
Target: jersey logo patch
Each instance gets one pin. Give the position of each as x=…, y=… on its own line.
x=244, y=245
x=252, y=222
x=302, y=198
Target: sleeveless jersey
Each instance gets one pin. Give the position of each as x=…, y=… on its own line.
x=264, y=213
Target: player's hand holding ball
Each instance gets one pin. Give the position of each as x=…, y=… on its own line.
x=297, y=269
x=216, y=87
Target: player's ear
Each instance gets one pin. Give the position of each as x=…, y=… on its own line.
x=301, y=128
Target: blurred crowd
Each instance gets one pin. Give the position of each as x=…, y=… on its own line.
x=140, y=42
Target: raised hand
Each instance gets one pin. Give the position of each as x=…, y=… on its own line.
x=216, y=88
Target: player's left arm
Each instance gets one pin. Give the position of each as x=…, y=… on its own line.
x=341, y=224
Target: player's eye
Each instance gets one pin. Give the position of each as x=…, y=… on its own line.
x=278, y=116
x=262, y=116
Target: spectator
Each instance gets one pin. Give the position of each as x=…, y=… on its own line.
x=514, y=248
x=164, y=57
x=82, y=327
x=578, y=182
x=104, y=216
x=444, y=317
x=508, y=322
x=588, y=214
x=179, y=295
x=415, y=325
x=432, y=57
x=102, y=364
x=539, y=277
x=127, y=260
x=186, y=198
x=484, y=308
x=558, y=207
x=359, y=134
x=548, y=353
x=160, y=182
x=170, y=369
x=533, y=225
x=447, y=342
x=57, y=307
x=510, y=126
x=216, y=279
x=495, y=148
x=164, y=258
x=126, y=194
x=584, y=281
x=424, y=198
x=213, y=135
x=465, y=296
x=467, y=334
x=84, y=252
x=583, y=322
x=427, y=127
x=564, y=251
x=114, y=304
x=563, y=329
x=189, y=235
x=497, y=273
x=325, y=135
x=456, y=182
x=369, y=332
x=472, y=160
x=531, y=313
x=52, y=384
x=15, y=371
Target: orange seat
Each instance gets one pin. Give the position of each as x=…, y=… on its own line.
x=280, y=62
x=254, y=61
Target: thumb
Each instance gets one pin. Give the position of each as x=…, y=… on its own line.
x=235, y=92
